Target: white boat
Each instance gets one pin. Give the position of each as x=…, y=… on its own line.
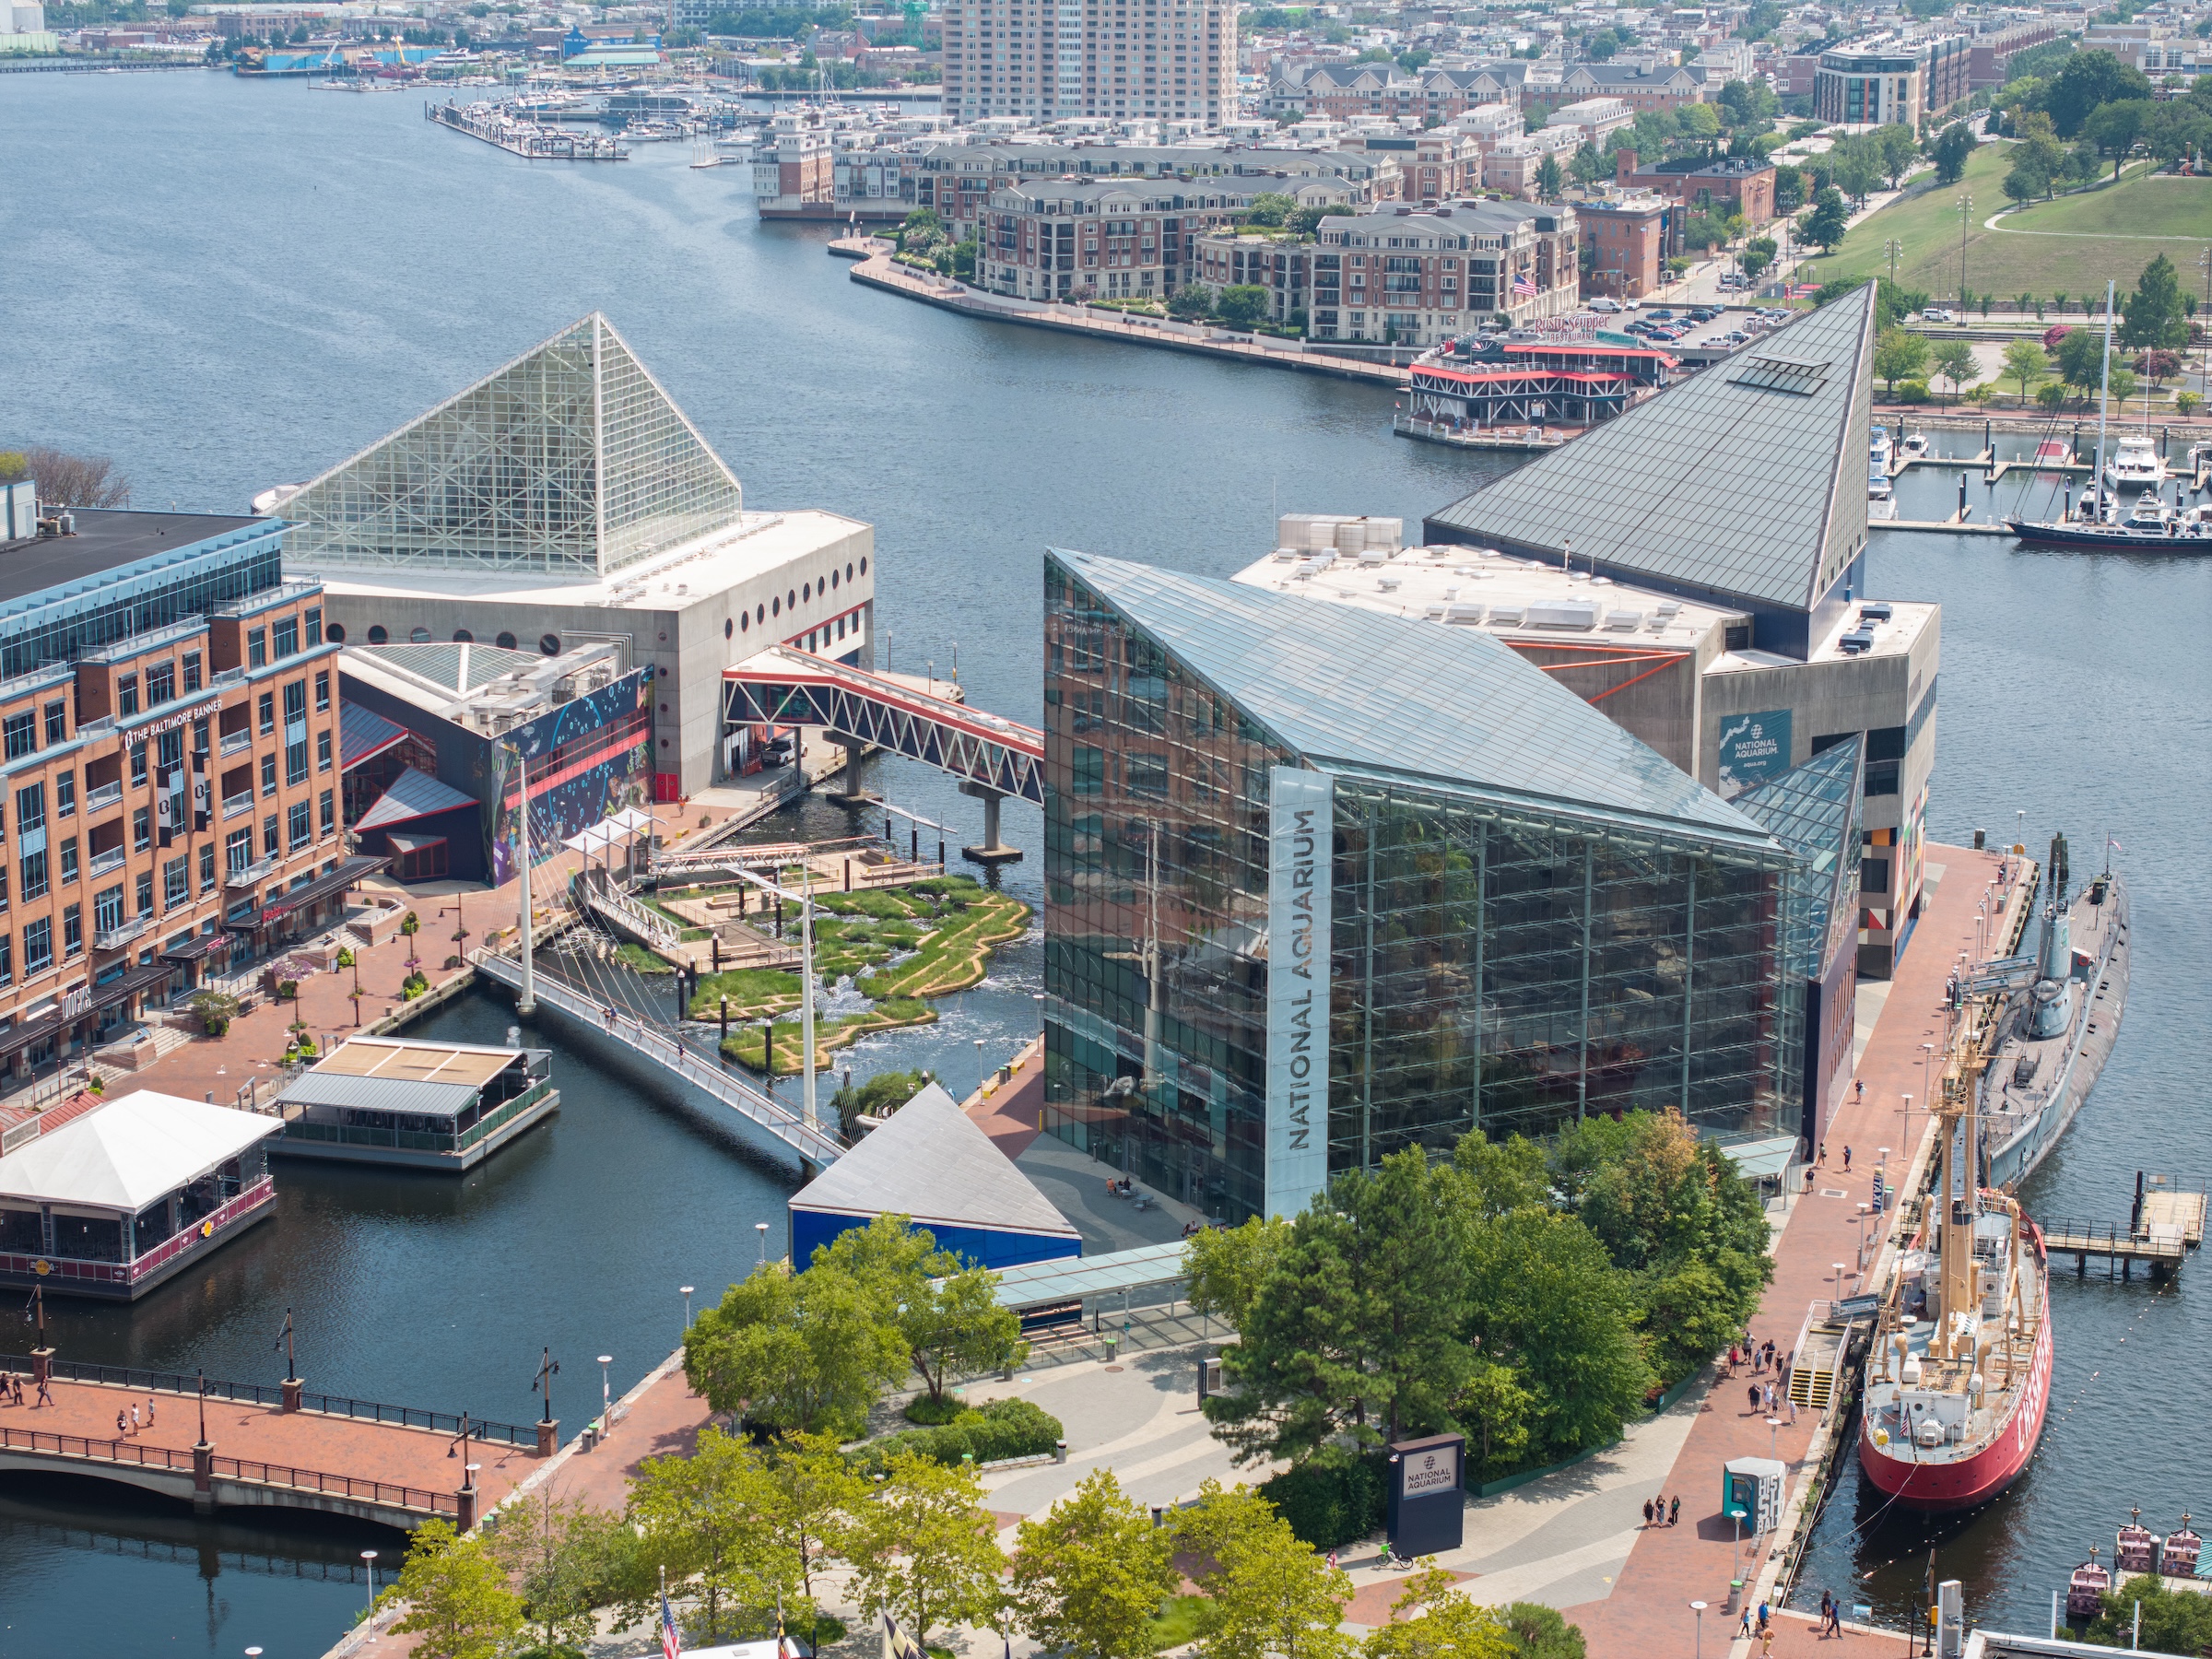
x=1916, y=443
x=1878, y=452
x=2135, y=465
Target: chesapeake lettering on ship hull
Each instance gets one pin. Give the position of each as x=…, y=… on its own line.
x=1300, y=807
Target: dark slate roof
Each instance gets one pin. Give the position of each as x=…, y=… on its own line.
x=1747, y=481
x=364, y=733
x=413, y=796
x=1353, y=690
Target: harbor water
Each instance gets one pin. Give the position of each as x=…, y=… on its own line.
x=227, y=286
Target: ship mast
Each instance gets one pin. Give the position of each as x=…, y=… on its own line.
x=1960, y=1194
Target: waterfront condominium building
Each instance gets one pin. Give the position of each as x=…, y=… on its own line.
x=1053, y=59
x=1411, y=277
x=1324, y=883
x=169, y=712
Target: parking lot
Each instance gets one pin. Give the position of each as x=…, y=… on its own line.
x=1681, y=327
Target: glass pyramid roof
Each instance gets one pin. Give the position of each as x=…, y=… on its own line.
x=1354, y=690
x=569, y=461
x=1747, y=481
x=1815, y=811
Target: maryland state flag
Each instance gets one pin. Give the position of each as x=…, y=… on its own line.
x=897, y=1643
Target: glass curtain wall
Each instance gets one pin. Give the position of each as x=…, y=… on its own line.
x=1156, y=864
x=1495, y=970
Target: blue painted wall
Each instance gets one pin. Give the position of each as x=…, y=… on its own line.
x=812, y=1228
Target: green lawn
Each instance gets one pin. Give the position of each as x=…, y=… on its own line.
x=2089, y=248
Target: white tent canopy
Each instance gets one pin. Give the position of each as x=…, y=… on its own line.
x=602, y=836
x=130, y=1151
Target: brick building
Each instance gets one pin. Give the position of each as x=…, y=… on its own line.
x=1055, y=59
x=1626, y=238
x=1409, y=276
x=169, y=715
x=1731, y=184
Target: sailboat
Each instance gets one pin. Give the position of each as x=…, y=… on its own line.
x=2094, y=520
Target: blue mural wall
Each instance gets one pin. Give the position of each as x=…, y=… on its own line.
x=587, y=759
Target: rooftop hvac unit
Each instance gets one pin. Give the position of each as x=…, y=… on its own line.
x=1389, y=584
x=1872, y=613
x=1858, y=641
x=1627, y=621
x=1563, y=613
x=1463, y=614
x=1375, y=556
x=1666, y=608
x=1508, y=615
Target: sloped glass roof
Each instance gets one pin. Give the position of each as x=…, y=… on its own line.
x=1815, y=811
x=1747, y=480
x=1352, y=690
x=457, y=666
x=571, y=461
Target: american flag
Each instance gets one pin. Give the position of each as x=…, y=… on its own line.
x=1524, y=284
x=670, y=1647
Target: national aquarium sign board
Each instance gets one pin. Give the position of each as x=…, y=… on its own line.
x=1302, y=805
x=1753, y=748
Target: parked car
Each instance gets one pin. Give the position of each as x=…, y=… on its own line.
x=1937, y=313
x=1663, y=314
x=1603, y=304
x=1705, y=314
x=1735, y=336
x=1734, y=280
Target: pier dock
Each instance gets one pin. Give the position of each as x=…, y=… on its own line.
x=495, y=125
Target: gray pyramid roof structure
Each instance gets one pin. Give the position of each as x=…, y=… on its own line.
x=931, y=1163
x=1353, y=690
x=1748, y=480
x=569, y=461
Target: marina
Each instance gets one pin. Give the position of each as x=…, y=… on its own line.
x=530, y=139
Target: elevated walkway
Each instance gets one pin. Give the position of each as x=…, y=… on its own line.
x=624, y=914
x=788, y=1130
x=783, y=686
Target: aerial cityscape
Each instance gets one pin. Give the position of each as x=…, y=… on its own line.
x=1007, y=828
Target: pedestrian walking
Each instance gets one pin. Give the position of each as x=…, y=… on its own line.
x=1732, y=1360
x=1860, y=1097
x=1766, y=1643
x=134, y=1417
x=1847, y=1161
x=1754, y=1412
x=45, y=1393
x=1673, y=1508
x=1744, y=1626
x=1764, y=1616
x=1823, y=1157
x=1835, y=1616
x=1793, y=1411
x=119, y=1428
x=149, y=1411
x=1647, y=1511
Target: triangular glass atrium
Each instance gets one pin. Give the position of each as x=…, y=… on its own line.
x=569, y=462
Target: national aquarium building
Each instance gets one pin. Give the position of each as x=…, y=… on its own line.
x=1324, y=883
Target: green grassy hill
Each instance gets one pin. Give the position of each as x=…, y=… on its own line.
x=2107, y=233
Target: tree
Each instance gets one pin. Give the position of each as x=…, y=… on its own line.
x=2025, y=363
x=1600, y=47
x=1226, y=1266
x=1953, y=360
x=1899, y=150
x=2023, y=183
x=804, y=1350
x=1355, y=1328
x=456, y=1596
x=884, y=1093
x=946, y=1312
x=1538, y=1632
x=2153, y=314
x=2174, y=1621
x=2156, y=366
x=2114, y=127
x=66, y=480
x=1447, y=1625
x=1270, y=207
x=2089, y=79
x=1497, y=1413
x=926, y=1549
x=2121, y=384
x=1548, y=179
x=1953, y=146
x=703, y=1518
x=1588, y=166
x=1191, y=302
x=1758, y=255
x=1241, y=304
x=1306, y=220
x=1825, y=226
x=1789, y=189
x=1268, y=1591
x=1089, y=1573
x=565, y=1559
x=816, y=1491
x=1900, y=355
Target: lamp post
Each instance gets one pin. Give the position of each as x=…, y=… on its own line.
x=687, y=1292
x=606, y=1397
x=1773, y=1429
x=1927, y=1054
x=1698, y=1647
x=1966, y=212
x=368, y=1560
x=762, y=1228
x=1839, y=1271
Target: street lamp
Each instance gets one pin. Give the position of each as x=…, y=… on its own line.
x=368, y=1560
x=1697, y=1650
x=1773, y=1429
x=1839, y=1271
x=762, y=1228
x=687, y=1291
x=607, y=1398
x=1927, y=1054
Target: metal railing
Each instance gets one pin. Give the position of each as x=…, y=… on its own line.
x=101, y=862
x=417, y=1140
x=235, y=805
x=253, y=875
x=234, y=742
x=103, y=795
x=143, y=1381
x=632, y=916
x=139, y=1455
x=122, y=933
x=2109, y=1238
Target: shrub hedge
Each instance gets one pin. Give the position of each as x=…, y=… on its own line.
x=1003, y=1428
x=1331, y=1499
